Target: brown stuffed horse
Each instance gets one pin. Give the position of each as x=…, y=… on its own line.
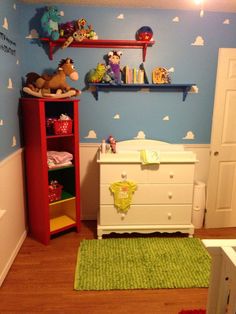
x=55, y=83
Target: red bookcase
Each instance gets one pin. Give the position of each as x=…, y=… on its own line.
x=46, y=217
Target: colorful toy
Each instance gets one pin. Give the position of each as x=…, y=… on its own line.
x=161, y=76
x=113, y=68
x=112, y=143
x=80, y=32
x=49, y=22
x=144, y=33
x=96, y=75
x=53, y=85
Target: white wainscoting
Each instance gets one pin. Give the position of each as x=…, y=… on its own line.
x=89, y=175
x=12, y=210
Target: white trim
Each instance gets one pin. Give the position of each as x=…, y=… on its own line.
x=12, y=257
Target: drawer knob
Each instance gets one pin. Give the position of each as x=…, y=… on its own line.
x=169, y=216
x=170, y=195
x=171, y=175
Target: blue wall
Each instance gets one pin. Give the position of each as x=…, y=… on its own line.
x=10, y=79
x=139, y=112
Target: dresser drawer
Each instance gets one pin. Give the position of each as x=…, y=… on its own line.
x=153, y=194
x=163, y=173
x=147, y=215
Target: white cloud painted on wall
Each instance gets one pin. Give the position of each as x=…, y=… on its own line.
x=189, y=136
x=5, y=23
x=166, y=118
x=10, y=85
x=227, y=22
x=140, y=135
x=13, y=141
x=91, y=134
x=175, y=19
x=199, y=41
x=194, y=89
x=120, y=16
x=116, y=116
x=33, y=34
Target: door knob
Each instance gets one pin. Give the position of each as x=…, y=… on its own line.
x=216, y=153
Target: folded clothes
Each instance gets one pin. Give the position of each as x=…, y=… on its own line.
x=149, y=157
x=58, y=158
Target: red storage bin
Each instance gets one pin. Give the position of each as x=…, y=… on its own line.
x=54, y=192
x=62, y=127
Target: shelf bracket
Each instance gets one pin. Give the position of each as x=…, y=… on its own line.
x=185, y=92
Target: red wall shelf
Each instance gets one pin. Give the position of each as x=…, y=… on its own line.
x=99, y=43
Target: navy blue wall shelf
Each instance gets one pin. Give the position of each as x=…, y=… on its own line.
x=184, y=88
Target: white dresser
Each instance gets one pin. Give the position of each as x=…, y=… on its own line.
x=164, y=195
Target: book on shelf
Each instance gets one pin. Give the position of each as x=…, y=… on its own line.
x=134, y=75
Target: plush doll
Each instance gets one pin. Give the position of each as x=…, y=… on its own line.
x=113, y=68
x=49, y=22
x=97, y=75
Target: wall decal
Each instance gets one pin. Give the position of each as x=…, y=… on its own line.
x=91, y=134
x=166, y=118
x=5, y=23
x=172, y=69
x=199, y=41
x=33, y=34
x=120, y=16
x=10, y=85
x=227, y=22
x=189, y=136
x=6, y=43
x=175, y=19
x=140, y=135
x=194, y=89
x=116, y=116
x=13, y=141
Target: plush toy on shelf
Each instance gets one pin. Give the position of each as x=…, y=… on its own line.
x=80, y=32
x=49, y=22
x=113, y=67
x=54, y=85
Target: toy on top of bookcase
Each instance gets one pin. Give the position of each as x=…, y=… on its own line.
x=54, y=85
x=50, y=22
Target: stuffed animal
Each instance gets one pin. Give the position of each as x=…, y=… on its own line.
x=46, y=84
x=49, y=22
x=96, y=75
x=113, y=68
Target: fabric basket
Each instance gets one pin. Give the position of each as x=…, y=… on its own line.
x=62, y=127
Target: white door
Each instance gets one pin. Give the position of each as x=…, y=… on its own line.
x=221, y=191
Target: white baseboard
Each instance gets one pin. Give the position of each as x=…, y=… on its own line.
x=12, y=257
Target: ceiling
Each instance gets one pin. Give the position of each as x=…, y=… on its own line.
x=208, y=5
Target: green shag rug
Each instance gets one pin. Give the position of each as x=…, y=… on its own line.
x=142, y=263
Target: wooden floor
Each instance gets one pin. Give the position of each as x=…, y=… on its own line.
x=41, y=281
